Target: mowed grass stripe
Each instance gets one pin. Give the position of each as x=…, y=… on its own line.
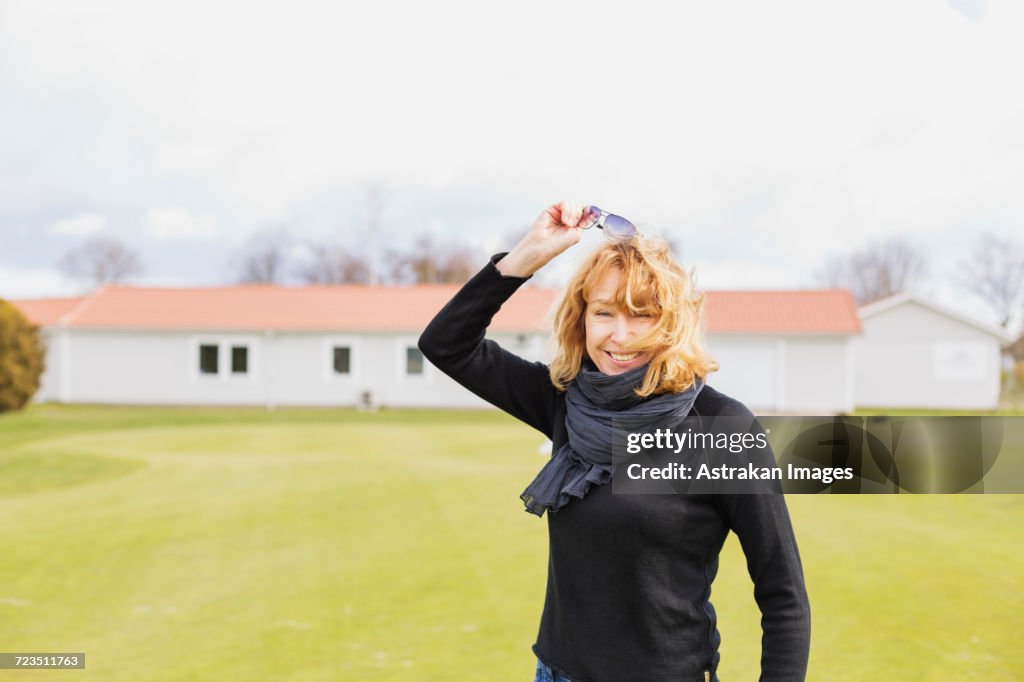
x=220, y=517
x=248, y=546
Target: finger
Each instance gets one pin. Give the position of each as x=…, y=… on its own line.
x=553, y=214
x=566, y=213
x=572, y=213
x=580, y=214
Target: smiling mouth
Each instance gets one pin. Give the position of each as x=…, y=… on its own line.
x=622, y=357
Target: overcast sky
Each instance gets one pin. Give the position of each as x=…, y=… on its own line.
x=760, y=136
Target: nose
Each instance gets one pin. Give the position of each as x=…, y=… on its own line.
x=622, y=331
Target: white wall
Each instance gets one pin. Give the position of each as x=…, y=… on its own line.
x=156, y=367
x=49, y=383
x=283, y=369
x=750, y=369
x=818, y=375
x=912, y=356
x=796, y=374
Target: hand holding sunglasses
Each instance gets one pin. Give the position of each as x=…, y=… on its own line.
x=558, y=228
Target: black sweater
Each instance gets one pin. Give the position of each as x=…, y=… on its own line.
x=629, y=576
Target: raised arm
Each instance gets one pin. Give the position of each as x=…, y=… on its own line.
x=454, y=340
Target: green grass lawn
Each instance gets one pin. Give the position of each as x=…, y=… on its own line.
x=187, y=544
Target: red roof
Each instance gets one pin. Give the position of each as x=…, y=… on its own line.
x=814, y=312
x=363, y=308
x=44, y=312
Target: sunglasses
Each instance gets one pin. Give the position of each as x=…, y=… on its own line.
x=616, y=228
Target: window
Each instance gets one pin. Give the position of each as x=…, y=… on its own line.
x=342, y=360
x=413, y=361
x=239, y=359
x=208, y=358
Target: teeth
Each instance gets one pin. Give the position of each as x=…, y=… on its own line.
x=623, y=358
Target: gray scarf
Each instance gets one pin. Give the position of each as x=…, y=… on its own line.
x=592, y=401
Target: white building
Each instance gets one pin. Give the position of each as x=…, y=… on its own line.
x=797, y=351
x=259, y=345
x=784, y=351
x=914, y=353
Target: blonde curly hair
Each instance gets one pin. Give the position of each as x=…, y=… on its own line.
x=651, y=283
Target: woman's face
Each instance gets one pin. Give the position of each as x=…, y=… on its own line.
x=609, y=327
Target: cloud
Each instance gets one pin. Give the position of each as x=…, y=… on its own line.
x=742, y=274
x=776, y=134
x=34, y=283
x=975, y=10
x=175, y=222
x=80, y=226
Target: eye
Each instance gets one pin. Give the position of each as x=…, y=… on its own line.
x=602, y=313
x=646, y=316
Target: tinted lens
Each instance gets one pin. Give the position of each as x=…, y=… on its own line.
x=618, y=228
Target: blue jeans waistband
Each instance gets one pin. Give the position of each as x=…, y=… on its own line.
x=546, y=673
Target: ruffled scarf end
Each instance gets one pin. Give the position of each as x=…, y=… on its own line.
x=577, y=486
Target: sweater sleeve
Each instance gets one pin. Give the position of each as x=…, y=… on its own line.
x=762, y=524
x=454, y=342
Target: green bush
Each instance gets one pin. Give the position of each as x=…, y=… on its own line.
x=22, y=358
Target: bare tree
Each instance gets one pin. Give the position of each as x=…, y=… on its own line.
x=332, y=264
x=101, y=260
x=430, y=263
x=994, y=270
x=263, y=258
x=376, y=198
x=880, y=269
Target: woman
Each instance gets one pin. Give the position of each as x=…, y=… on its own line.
x=629, y=576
